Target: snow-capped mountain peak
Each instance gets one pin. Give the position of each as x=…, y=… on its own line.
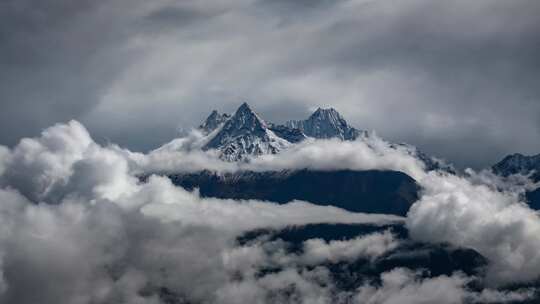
x=326, y=123
x=245, y=134
x=329, y=113
x=214, y=121
x=245, y=119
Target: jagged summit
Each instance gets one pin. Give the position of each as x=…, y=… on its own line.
x=245, y=134
x=522, y=164
x=326, y=123
x=290, y=134
x=245, y=117
x=517, y=164
x=326, y=112
x=214, y=120
x=329, y=116
x=245, y=107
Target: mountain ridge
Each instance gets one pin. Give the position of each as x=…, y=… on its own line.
x=326, y=123
x=518, y=163
x=213, y=121
x=246, y=134
x=369, y=191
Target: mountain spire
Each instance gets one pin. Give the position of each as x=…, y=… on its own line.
x=214, y=120
x=245, y=134
x=326, y=123
x=244, y=107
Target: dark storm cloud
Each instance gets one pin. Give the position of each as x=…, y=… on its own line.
x=459, y=79
x=478, y=68
x=55, y=58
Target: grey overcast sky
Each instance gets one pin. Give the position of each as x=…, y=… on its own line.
x=460, y=79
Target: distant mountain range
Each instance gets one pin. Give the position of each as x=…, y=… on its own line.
x=326, y=123
x=370, y=191
x=246, y=134
x=519, y=164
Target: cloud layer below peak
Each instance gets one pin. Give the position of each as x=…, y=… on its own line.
x=79, y=225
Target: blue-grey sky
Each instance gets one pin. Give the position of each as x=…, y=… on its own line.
x=460, y=79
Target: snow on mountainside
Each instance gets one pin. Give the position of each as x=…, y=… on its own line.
x=430, y=162
x=291, y=135
x=326, y=123
x=245, y=134
x=213, y=121
x=518, y=163
x=525, y=165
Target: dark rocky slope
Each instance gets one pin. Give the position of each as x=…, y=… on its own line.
x=526, y=165
x=388, y=192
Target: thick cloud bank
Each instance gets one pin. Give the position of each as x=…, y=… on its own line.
x=78, y=226
x=477, y=216
x=184, y=155
x=406, y=287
